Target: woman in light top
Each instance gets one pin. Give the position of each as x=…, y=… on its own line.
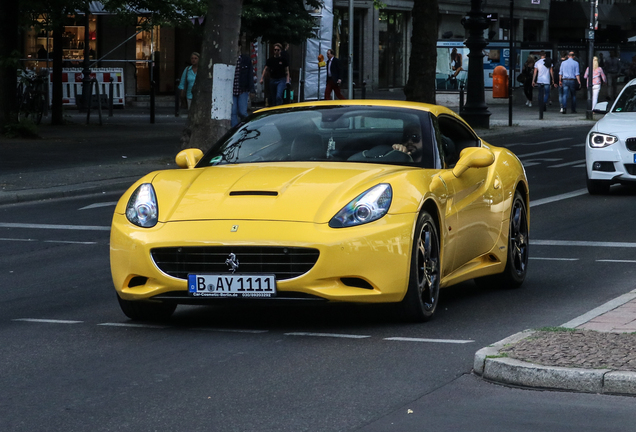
x=598, y=77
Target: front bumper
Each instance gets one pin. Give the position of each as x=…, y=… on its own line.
x=614, y=163
x=377, y=253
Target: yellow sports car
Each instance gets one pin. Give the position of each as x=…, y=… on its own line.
x=350, y=201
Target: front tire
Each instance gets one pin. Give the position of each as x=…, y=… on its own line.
x=597, y=187
x=146, y=311
x=420, y=302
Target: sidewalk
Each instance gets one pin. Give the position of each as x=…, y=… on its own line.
x=597, y=354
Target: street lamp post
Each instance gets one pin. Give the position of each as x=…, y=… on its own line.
x=475, y=110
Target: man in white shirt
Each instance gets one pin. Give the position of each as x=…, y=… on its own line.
x=543, y=76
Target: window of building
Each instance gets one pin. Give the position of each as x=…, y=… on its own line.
x=39, y=46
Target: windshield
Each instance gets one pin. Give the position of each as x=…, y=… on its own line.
x=626, y=101
x=342, y=133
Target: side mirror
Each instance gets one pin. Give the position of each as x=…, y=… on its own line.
x=188, y=158
x=473, y=157
x=601, y=108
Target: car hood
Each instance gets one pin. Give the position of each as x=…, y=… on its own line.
x=302, y=192
x=619, y=124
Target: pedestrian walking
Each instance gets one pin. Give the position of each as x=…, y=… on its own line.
x=556, y=72
x=543, y=76
x=333, y=76
x=598, y=77
x=569, y=79
x=528, y=72
x=612, y=68
x=278, y=70
x=188, y=77
x=243, y=86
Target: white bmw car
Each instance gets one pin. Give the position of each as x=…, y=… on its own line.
x=610, y=153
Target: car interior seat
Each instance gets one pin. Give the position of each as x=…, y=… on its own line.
x=308, y=147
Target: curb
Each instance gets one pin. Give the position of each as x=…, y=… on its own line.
x=509, y=371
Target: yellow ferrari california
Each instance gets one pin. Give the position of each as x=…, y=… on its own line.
x=351, y=201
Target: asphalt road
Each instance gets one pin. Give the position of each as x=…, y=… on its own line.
x=70, y=360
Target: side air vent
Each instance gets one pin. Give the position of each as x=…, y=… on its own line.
x=356, y=283
x=254, y=193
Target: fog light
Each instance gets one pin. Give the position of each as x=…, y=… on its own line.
x=596, y=166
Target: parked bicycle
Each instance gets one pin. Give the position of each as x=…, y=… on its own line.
x=31, y=97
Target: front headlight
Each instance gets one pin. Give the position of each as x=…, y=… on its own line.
x=367, y=207
x=142, y=207
x=599, y=140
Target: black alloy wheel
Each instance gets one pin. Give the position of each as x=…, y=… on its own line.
x=420, y=302
x=517, y=256
x=597, y=187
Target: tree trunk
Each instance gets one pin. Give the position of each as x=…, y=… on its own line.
x=209, y=115
x=423, y=62
x=8, y=74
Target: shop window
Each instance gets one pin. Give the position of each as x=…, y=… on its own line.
x=39, y=46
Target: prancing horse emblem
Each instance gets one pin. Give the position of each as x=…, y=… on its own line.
x=232, y=262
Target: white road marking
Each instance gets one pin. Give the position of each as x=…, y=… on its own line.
x=408, y=339
x=68, y=242
x=555, y=140
x=51, y=226
x=232, y=330
x=333, y=335
x=16, y=239
x=97, y=205
x=539, y=161
x=582, y=161
x=543, y=152
x=48, y=321
x=616, y=261
x=579, y=145
x=132, y=325
x=553, y=259
x=556, y=198
x=582, y=243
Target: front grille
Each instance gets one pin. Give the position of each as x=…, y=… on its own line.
x=630, y=143
x=283, y=262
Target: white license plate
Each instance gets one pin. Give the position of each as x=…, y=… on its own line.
x=233, y=285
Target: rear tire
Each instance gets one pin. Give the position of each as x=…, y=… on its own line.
x=420, y=302
x=518, y=247
x=145, y=310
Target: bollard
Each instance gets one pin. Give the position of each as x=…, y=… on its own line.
x=88, y=99
x=301, y=91
x=364, y=89
x=461, y=97
x=541, y=102
x=152, y=102
x=110, y=97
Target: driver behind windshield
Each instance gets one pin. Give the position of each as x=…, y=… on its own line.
x=411, y=142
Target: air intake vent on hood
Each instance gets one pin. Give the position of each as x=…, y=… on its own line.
x=254, y=193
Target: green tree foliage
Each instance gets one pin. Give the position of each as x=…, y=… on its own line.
x=279, y=21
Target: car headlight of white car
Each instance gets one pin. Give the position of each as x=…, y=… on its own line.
x=600, y=140
x=142, y=207
x=366, y=207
